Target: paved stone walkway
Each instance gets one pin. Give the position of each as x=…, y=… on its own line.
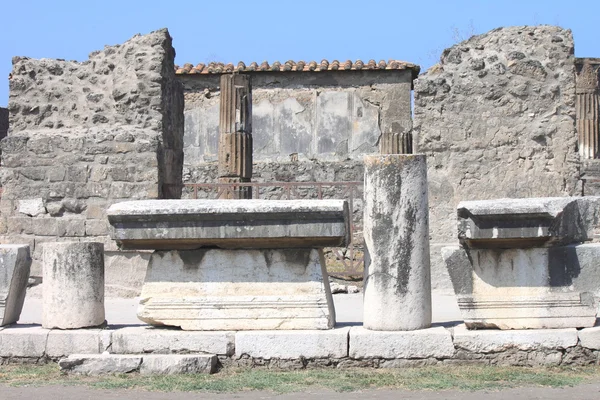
x=348, y=308
x=581, y=392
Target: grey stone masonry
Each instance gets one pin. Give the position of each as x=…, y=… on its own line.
x=523, y=263
x=173, y=351
x=15, y=262
x=534, y=222
x=496, y=119
x=87, y=134
x=192, y=224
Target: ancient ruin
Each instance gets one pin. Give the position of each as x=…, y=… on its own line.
x=235, y=134
x=112, y=130
x=520, y=262
x=106, y=146
x=235, y=264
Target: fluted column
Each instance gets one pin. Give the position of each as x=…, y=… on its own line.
x=235, y=134
x=588, y=109
x=396, y=143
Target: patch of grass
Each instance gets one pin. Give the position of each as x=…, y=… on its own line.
x=466, y=378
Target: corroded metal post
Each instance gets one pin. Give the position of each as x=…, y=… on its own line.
x=235, y=135
x=588, y=109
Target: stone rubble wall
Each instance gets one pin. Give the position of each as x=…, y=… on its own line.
x=86, y=135
x=496, y=118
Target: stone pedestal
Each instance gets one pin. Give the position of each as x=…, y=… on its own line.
x=15, y=262
x=73, y=285
x=238, y=290
x=517, y=268
x=397, y=293
x=235, y=264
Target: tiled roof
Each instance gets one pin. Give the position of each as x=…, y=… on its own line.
x=299, y=66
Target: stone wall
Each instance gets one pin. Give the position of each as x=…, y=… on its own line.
x=496, y=118
x=86, y=135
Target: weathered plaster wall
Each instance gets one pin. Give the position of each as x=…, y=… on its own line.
x=86, y=135
x=496, y=118
x=328, y=115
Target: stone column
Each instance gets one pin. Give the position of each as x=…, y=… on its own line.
x=73, y=285
x=235, y=134
x=587, y=109
x=397, y=293
x=396, y=143
x=15, y=263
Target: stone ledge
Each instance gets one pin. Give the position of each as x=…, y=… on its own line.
x=144, y=339
x=424, y=343
x=590, y=338
x=89, y=341
x=293, y=344
x=28, y=341
x=493, y=341
x=164, y=364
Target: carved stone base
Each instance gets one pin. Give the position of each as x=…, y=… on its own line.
x=552, y=310
x=238, y=290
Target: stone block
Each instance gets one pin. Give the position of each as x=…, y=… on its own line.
x=96, y=227
x=494, y=341
x=293, y=344
x=23, y=341
x=169, y=364
x=100, y=364
x=44, y=226
x=73, y=290
x=71, y=227
x=32, y=207
x=15, y=264
x=423, y=343
x=530, y=222
x=191, y=224
x=19, y=225
x=237, y=290
x=144, y=339
x=82, y=341
x=590, y=338
x=530, y=288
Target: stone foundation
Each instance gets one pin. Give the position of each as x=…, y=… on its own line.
x=337, y=348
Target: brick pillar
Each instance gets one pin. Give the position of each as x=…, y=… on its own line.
x=235, y=134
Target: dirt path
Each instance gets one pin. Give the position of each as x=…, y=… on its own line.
x=581, y=392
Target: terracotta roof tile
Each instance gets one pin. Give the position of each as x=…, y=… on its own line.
x=293, y=66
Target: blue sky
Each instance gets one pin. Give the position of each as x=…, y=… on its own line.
x=258, y=30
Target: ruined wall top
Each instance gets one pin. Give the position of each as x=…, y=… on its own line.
x=120, y=85
x=496, y=118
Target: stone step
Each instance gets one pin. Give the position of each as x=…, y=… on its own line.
x=162, y=364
